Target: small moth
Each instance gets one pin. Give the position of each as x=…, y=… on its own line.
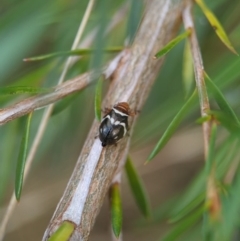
x=114, y=124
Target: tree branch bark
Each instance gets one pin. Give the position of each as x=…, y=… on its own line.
x=131, y=82
x=32, y=103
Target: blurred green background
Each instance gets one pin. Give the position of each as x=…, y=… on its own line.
x=30, y=28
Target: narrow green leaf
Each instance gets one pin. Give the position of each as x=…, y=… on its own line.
x=220, y=99
x=8, y=141
x=116, y=209
x=207, y=228
x=98, y=99
x=228, y=75
x=64, y=103
x=60, y=53
x=230, y=210
x=138, y=189
x=135, y=15
x=173, y=125
x=188, y=208
x=76, y=52
x=11, y=90
x=187, y=73
x=63, y=233
x=184, y=225
x=216, y=25
x=196, y=188
x=172, y=44
x=211, y=151
x=227, y=122
x=227, y=153
x=22, y=159
x=161, y=213
x=203, y=119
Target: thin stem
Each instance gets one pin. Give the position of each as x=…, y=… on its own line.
x=30, y=104
x=212, y=196
x=199, y=75
x=77, y=39
x=44, y=122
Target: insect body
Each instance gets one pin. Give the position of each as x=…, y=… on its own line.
x=114, y=124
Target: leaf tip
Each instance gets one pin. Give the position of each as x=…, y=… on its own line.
x=148, y=159
x=235, y=52
x=232, y=49
x=17, y=195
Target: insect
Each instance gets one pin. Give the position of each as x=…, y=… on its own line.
x=114, y=124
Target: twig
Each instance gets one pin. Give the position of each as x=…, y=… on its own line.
x=36, y=102
x=131, y=82
x=44, y=122
x=199, y=75
x=212, y=196
x=58, y=92
x=88, y=40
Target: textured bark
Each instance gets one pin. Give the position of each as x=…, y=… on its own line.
x=131, y=82
x=32, y=103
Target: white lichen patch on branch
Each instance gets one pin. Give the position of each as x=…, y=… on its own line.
x=74, y=211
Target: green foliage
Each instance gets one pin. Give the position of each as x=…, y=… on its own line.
x=138, y=189
x=216, y=25
x=63, y=104
x=63, y=233
x=172, y=44
x=13, y=90
x=220, y=99
x=134, y=18
x=190, y=199
x=231, y=206
x=31, y=28
x=77, y=52
x=191, y=207
x=98, y=100
x=116, y=209
x=227, y=122
x=184, y=225
x=211, y=151
x=173, y=126
x=188, y=77
x=22, y=159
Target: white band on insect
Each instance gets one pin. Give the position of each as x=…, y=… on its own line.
x=119, y=112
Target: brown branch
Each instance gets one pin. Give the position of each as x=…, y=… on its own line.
x=30, y=104
x=199, y=75
x=131, y=82
x=212, y=195
x=59, y=92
